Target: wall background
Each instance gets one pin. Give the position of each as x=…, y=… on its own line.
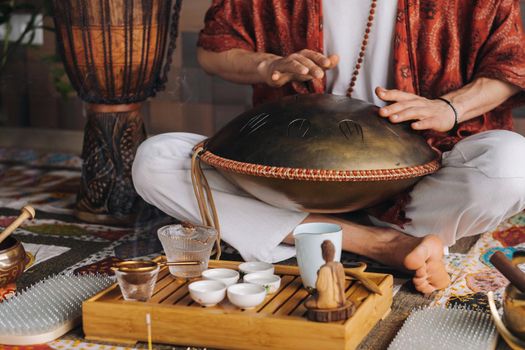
x=192, y=102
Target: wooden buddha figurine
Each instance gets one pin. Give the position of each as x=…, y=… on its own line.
x=329, y=303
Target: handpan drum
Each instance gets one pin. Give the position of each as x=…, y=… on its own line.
x=319, y=153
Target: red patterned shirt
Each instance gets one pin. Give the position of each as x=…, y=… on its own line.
x=439, y=46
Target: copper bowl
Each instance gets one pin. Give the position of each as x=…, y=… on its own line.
x=12, y=261
x=319, y=153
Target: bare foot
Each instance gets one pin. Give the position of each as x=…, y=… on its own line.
x=423, y=255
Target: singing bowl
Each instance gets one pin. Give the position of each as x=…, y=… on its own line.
x=514, y=311
x=12, y=261
x=319, y=153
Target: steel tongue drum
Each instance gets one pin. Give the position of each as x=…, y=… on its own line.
x=319, y=153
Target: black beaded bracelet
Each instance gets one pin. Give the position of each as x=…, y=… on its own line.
x=456, y=122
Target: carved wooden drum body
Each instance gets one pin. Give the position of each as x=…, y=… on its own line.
x=319, y=153
x=117, y=54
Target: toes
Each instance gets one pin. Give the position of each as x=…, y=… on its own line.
x=422, y=285
x=421, y=281
x=426, y=260
x=431, y=277
x=437, y=274
x=421, y=272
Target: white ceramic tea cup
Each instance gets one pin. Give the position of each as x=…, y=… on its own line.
x=207, y=293
x=246, y=295
x=308, y=239
x=226, y=276
x=270, y=282
x=257, y=266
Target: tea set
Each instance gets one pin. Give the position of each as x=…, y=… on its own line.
x=188, y=248
x=249, y=287
x=258, y=281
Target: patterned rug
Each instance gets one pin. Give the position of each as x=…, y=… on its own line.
x=473, y=275
x=56, y=242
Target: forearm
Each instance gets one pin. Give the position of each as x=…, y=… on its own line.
x=480, y=96
x=236, y=65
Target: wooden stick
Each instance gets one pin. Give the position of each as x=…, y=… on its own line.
x=180, y=263
x=358, y=274
x=509, y=270
x=27, y=212
x=365, y=281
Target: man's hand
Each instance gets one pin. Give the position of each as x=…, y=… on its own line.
x=427, y=114
x=301, y=66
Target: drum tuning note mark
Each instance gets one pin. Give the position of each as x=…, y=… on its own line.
x=298, y=127
x=392, y=131
x=255, y=123
x=348, y=127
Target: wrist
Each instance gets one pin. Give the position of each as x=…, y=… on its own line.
x=453, y=108
x=458, y=106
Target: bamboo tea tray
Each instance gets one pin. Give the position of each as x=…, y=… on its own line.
x=278, y=323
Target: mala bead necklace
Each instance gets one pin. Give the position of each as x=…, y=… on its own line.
x=364, y=43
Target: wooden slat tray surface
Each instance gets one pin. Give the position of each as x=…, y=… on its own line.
x=278, y=323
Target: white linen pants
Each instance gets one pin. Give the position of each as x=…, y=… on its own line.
x=481, y=183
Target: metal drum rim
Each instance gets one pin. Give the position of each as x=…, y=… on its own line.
x=326, y=175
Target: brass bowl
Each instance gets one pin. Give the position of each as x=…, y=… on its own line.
x=12, y=261
x=319, y=153
x=514, y=311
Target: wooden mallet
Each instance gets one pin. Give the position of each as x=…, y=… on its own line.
x=509, y=270
x=27, y=212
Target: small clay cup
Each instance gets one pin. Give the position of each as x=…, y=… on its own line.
x=12, y=261
x=514, y=311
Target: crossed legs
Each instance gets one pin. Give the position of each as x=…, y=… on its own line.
x=479, y=185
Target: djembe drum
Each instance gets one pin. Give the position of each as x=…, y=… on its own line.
x=116, y=53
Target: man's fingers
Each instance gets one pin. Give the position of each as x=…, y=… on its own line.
x=410, y=113
x=313, y=69
x=302, y=66
x=424, y=124
x=276, y=75
x=394, y=95
x=318, y=58
x=279, y=79
x=398, y=107
x=290, y=66
x=334, y=60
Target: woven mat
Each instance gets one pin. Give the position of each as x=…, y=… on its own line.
x=57, y=242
